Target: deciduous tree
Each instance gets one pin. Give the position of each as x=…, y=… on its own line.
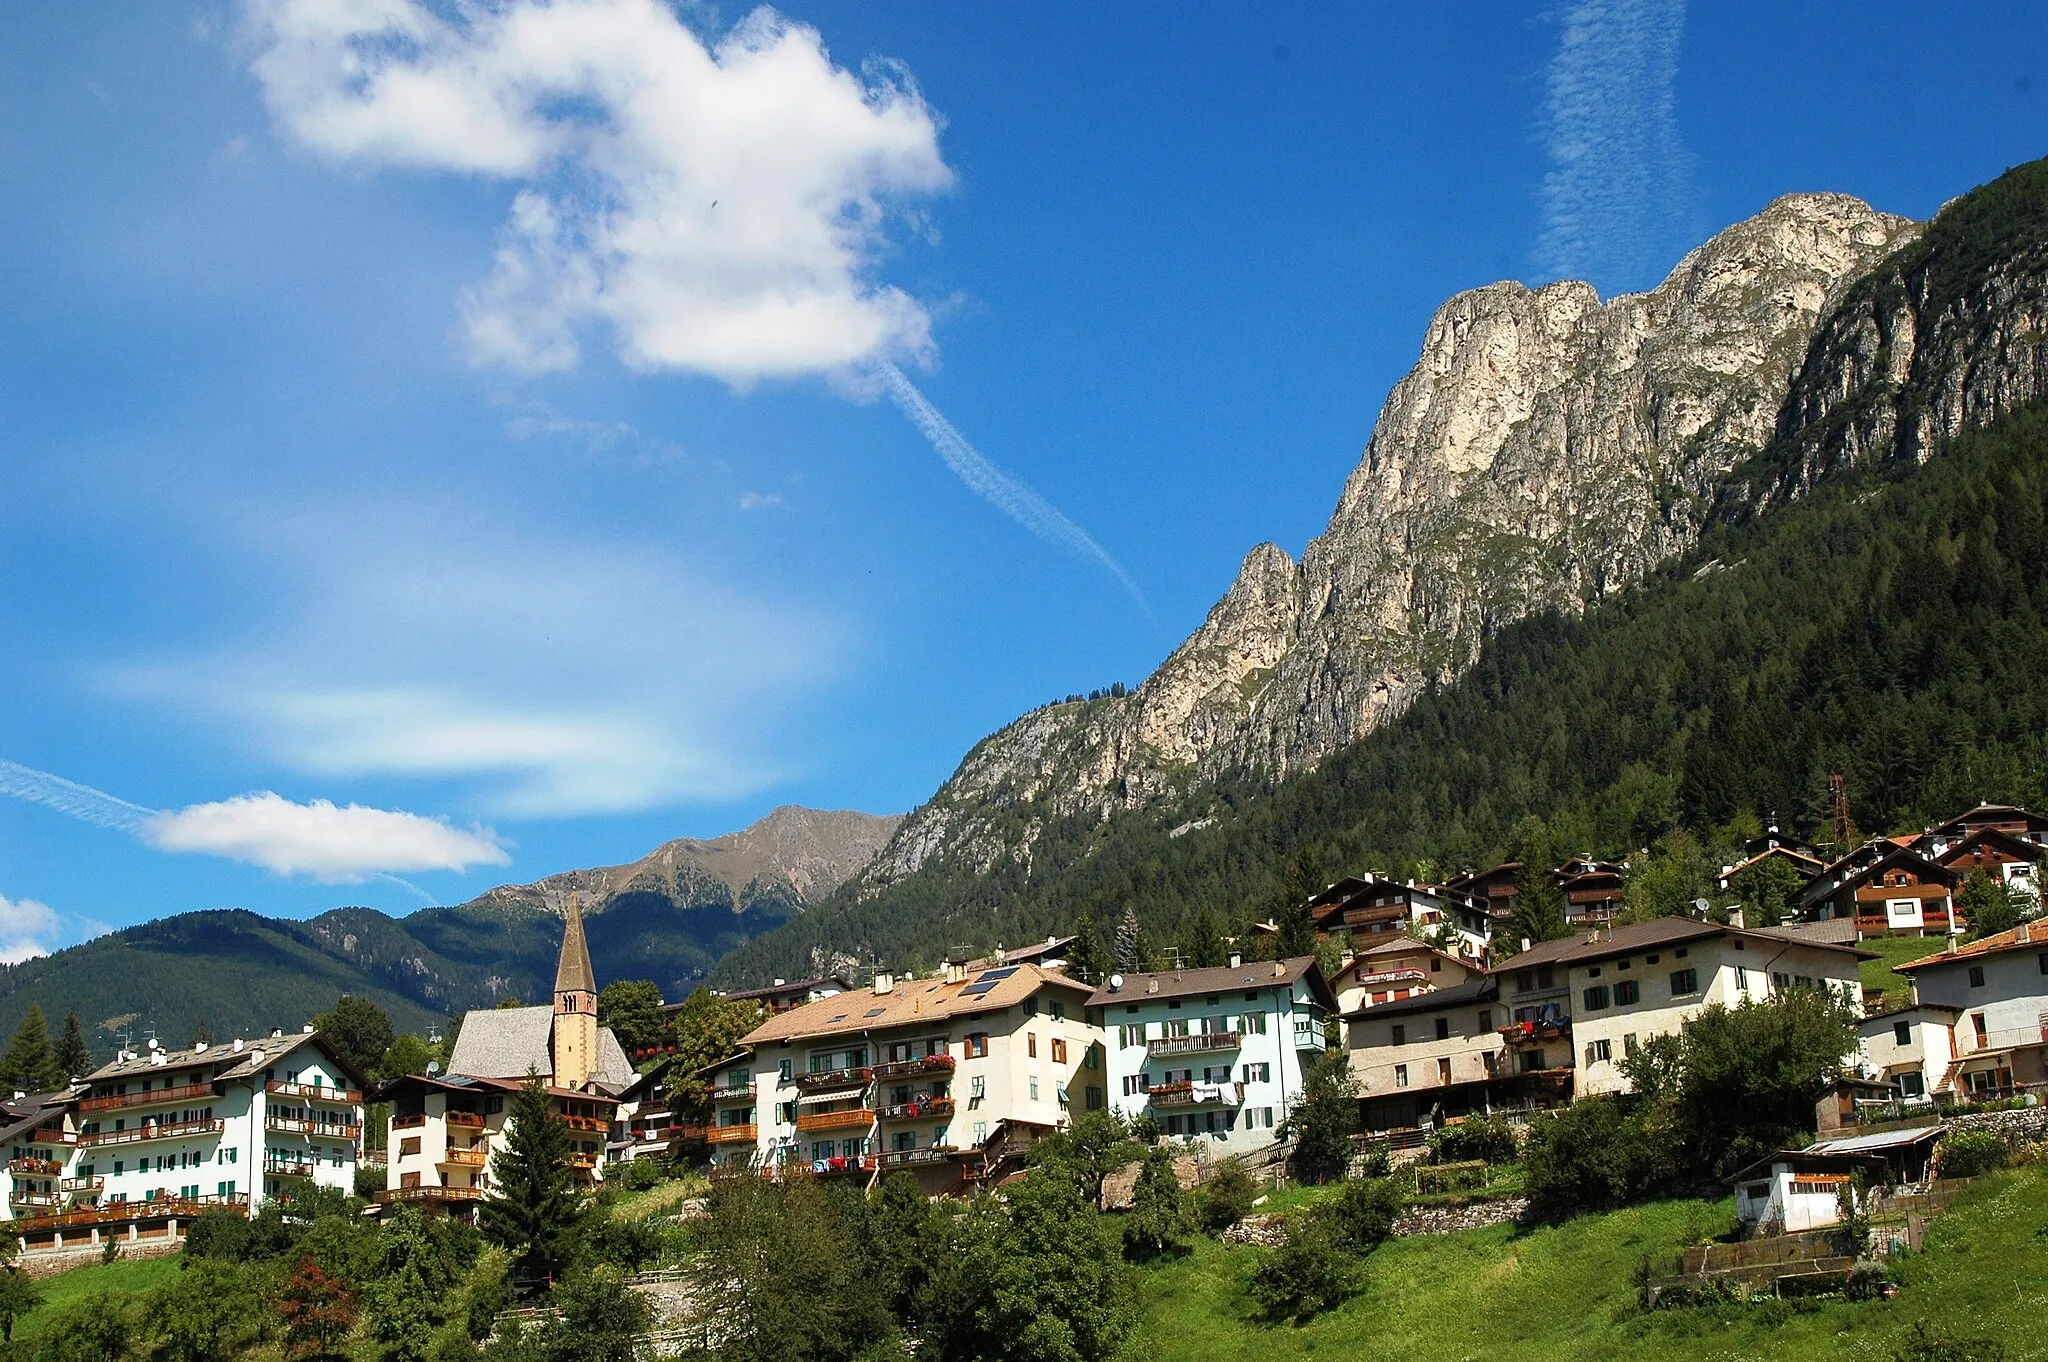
x=359, y=1029
x=632, y=1009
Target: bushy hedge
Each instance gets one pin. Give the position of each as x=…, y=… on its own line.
x=1490, y=1138
x=1967, y=1153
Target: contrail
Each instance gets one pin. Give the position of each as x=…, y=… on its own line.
x=996, y=487
x=82, y=802
x=430, y=900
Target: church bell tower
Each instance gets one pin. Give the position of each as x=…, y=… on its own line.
x=575, y=1006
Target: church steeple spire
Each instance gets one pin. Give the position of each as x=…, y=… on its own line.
x=575, y=1049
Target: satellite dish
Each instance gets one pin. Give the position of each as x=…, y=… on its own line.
x=433, y=1067
x=1116, y=981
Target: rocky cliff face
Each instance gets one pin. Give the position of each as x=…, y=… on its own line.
x=1547, y=450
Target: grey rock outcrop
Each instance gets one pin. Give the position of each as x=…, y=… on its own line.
x=1547, y=450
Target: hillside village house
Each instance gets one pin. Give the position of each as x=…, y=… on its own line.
x=1437, y=1055
x=1587, y=1000
x=1362, y=908
x=2022, y=825
x=1592, y=890
x=39, y=1137
x=1887, y=889
x=1216, y=1053
x=1999, y=986
x=1911, y=1047
x=2010, y=858
x=1803, y=858
x=1396, y=968
x=444, y=1129
x=932, y=1075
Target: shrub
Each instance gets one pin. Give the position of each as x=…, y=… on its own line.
x=1967, y=1153
x=1922, y=1344
x=1490, y=1138
x=1361, y=1215
x=1867, y=1282
x=637, y=1176
x=1376, y=1162
x=1307, y=1275
x=1159, y=1218
x=1227, y=1199
x=1590, y=1157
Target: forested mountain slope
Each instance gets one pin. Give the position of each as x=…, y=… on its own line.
x=1864, y=603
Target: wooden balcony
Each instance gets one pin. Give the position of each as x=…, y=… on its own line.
x=19, y=1197
x=1210, y=1043
x=749, y=1133
x=832, y=1167
x=326, y=1130
x=925, y=1109
x=1535, y=1033
x=464, y=1118
x=124, y=1212
x=835, y=1078
x=51, y=1135
x=914, y=1068
x=35, y=1168
x=582, y=1161
x=412, y=1120
x=392, y=1195
x=476, y=1157
x=594, y=1125
x=733, y=1092
x=82, y=1187
x=913, y=1158
x=190, y=1092
x=288, y=1168
x=348, y=1096
x=858, y=1118
x=159, y=1130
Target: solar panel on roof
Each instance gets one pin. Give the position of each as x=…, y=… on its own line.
x=874, y=1012
x=989, y=976
x=972, y=989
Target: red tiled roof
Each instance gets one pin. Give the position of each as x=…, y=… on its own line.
x=2035, y=938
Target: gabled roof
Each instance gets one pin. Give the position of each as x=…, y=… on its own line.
x=1188, y=983
x=505, y=1042
x=252, y=1057
x=1806, y=865
x=1985, y=814
x=911, y=1002
x=777, y=990
x=1484, y=989
x=1364, y=961
x=20, y=1115
x=1585, y=948
x=1039, y=950
x=1833, y=881
x=2016, y=847
x=2028, y=936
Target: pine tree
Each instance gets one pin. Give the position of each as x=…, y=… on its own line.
x=29, y=1065
x=533, y=1210
x=1292, y=914
x=1539, y=904
x=1202, y=940
x=1133, y=946
x=74, y=1056
x=1086, y=957
x=202, y=1034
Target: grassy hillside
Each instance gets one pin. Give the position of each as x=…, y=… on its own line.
x=1567, y=1292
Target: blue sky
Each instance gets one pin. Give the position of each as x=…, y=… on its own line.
x=463, y=450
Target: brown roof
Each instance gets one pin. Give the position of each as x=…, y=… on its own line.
x=1585, y=947
x=254, y=1055
x=2035, y=938
x=775, y=990
x=573, y=974
x=1185, y=983
x=910, y=1002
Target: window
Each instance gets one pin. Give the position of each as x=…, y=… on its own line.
x=1544, y=976
x=1261, y=1072
x=1443, y=1072
x=1400, y=1075
x=1485, y=1022
x=1031, y=1044
x=408, y=1148
x=1628, y=1043
x=1684, y=981
x=1741, y=979
x=1593, y=972
x=1902, y=1032
x=1524, y=981
x=1622, y=964
x=1254, y=1023
x=1092, y=1059
x=1652, y=959
x=977, y=1045
x=1681, y=952
x=1135, y=1084
x=1596, y=998
x=1627, y=992
x=1436, y=966
x=1034, y=1089
x=1400, y=1034
x=1130, y=1037
x=1443, y=1028
x=1976, y=976
x=1059, y=1009
x=782, y=1071
x=1059, y=1051
x=1031, y=1006
x=2042, y=958
x=980, y=1133
x=786, y=1113
x=977, y=1088
x=1599, y=1052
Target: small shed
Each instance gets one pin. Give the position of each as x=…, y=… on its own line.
x=1800, y=1189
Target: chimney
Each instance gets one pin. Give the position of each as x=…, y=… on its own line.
x=885, y=982
x=1279, y=969
x=1951, y=948
x=1735, y=918
x=1152, y=984
x=780, y=982
x=2024, y=934
x=1236, y=960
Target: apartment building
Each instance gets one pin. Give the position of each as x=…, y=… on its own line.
x=1999, y=988
x=925, y=1075
x=1911, y=1048
x=1216, y=1053
x=1397, y=968
x=37, y=1132
x=1363, y=908
x=1584, y=1002
x=1433, y=1054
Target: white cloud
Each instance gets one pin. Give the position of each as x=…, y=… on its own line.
x=551, y=673
x=719, y=206
x=321, y=839
x=28, y=928
x=1618, y=200
x=759, y=501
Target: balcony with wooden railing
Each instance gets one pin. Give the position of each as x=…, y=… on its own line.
x=1190, y=1094
x=156, y=1130
x=288, y=1168
x=21, y=1196
x=392, y=1195
x=315, y=1126
x=835, y=1078
x=915, y=1068
x=1201, y=1044
x=190, y=1092
x=593, y=1125
x=747, y=1133
x=578, y=1159
x=35, y=1168
x=124, y=1212
x=50, y=1135
x=470, y=1119
x=921, y=1109
x=476, y=1156
x=854, y=1118
x=314, y=1092
x=412, y=1120
x=82, y=1187
x=733, y=1092
x=913, y=1158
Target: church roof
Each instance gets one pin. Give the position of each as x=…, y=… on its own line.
x=505, y=1042
x=573, y=974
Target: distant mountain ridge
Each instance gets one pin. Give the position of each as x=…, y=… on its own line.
x=667, y=917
